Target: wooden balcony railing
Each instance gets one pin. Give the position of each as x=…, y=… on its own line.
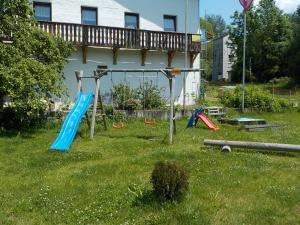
x=116, y=37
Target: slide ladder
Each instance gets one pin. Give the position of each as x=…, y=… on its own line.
x=72, y=122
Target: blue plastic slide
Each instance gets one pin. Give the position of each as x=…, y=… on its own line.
x=194, y=119
x=72, y=122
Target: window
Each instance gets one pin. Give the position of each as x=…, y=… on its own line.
x=170, y=23
x=132, y=20
x=89, y=16
x=42, y=11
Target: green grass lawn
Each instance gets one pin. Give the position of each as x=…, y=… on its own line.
x=93, y=183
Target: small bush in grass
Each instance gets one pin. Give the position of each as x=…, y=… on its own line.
x=170, y=181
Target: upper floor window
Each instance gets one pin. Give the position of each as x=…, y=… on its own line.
x=42, y=11
x=170, y=23
x=132, y=20
x=89, y=16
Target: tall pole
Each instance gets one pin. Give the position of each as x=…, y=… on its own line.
x=206, y=43
x=244, y=62
x=171, y=128
x=200, y=64
x=250, y=70
x=185, y=54
x=92, y=131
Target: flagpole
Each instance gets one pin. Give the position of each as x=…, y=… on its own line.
x=244, y=62
x=185, y=54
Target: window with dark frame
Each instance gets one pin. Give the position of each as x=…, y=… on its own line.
x=89, y=16
x=132, y=20
x=42, y=11
x=170, y=23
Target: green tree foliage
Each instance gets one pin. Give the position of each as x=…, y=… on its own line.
x=293, y=54
x=207, y=56
x=122, y=95
x=147, y=96
x=215, y=25
x=218, y=24
x=268, y=38
x=256, y=98
x=31, y=66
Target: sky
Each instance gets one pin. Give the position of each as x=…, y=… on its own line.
x=226, y=8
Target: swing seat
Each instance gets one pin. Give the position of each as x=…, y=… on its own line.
x=118, y=126
x=150, y=123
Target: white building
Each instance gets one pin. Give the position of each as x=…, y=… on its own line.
x=121, y=34
x=222, y=59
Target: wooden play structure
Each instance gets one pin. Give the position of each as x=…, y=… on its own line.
x=169, y=73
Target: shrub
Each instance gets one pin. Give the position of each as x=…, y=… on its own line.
x=255, y=98
x=109, y=110
x=149, y=96
x=283, y=82
x=122, y=93
x=170, y=181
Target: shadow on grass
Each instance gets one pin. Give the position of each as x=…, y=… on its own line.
x=270, y=153
x=148, y=199
x=282, y=154
x=161, y=139
x=24, y=133
x=150, y=137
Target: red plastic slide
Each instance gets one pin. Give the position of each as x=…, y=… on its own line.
x=207, y=122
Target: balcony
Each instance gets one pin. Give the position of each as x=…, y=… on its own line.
x=123, y=38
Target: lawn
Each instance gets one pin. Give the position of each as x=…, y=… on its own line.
x=106, y=181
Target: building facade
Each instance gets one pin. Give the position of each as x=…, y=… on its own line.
x=126, y=34
x=222, y=59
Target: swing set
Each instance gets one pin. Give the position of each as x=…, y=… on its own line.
x=169, y=73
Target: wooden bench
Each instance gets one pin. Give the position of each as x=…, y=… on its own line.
x=215, y=111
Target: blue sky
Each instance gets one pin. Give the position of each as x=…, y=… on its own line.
x=225, y=8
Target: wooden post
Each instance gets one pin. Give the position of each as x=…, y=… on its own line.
x=172, y=84
x=101, y=103
x=102, y=110
x=174, y=122
x=95, y=107
x=79, y=75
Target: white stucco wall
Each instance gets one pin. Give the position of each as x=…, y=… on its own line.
x=227, y=64
x=130, y=59
x=111, y=12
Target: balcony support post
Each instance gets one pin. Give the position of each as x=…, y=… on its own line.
x=84, y=54
x=171, y=55
x=193, y=57
x=115, y=55
x=144, y=56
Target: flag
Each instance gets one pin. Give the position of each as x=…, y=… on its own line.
x=246, y=4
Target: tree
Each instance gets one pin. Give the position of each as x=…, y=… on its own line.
x=207, y=57
x=31, y=67
x=268, y=38
x=293, y=54
x=218, y=24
